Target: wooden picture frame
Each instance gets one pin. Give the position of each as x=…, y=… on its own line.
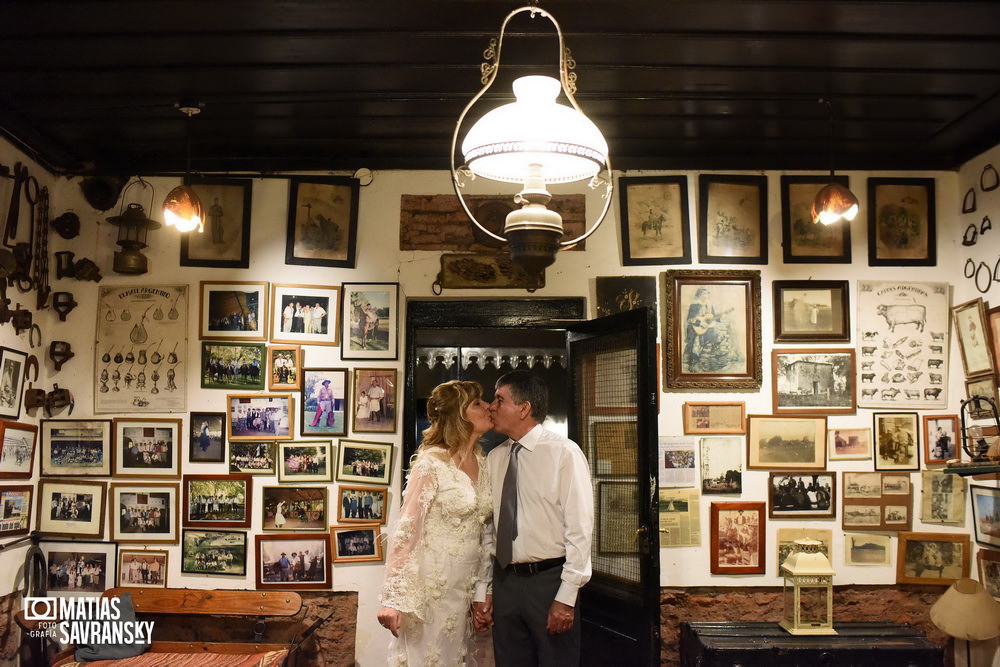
x=897, y=440
x=144, y=513
x=920, y=555
x=364, y=462
x=877, y=501
x=207, y=437
x=15, y=509
x=147, y=448
x=100, y=563
x=233, y=310
x=17, y=449
x=225, y=242
x=738, y=531
x=12, y=377
x=940, y=439
x=813, y=381
x=284, y=368
x=142, y=568
x=901, y=222
x=375, y=400
x=322, y=221
x=988, y=564
x=712, y=330
x=655, y=226
x=370, y=321
x=214, y=552
x=217, y=501
x=802, y=495
x=993, y=325
x=294, y=508
x=310, y=570
x=611, y=444
x=356, y=543
x=732, y=219
x=786, y=442
x=76, y=447
x=305, y=461
x=293, y=305
x=974, y=340
x=362, y=504
x=803, y=240
x=253, y=457
x=260, y=417
x=849, y=444
x=718, y=417
x=985, y=507
x=986, y=387
x=321, y=415
x=617, y=518
x=73, y=508
x=812, y=311
x=232, y=365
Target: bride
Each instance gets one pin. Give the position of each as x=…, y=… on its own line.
x=279, y=516
x=436, y=554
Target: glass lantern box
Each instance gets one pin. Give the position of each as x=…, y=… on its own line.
x=807, y=591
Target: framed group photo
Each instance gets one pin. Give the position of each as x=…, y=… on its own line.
x=207, y=437
x=17, y=449
x=732, y=219
x=142, y=568
x=322, y=221
x=901, y=222
x=364, y=462
x=305, y=314
x=812, y=311
x=144, y=513
x=795, y=495
x=932, y=558
x=147, y=447
x=225, y=241
x=293, y=562
x=362, y=504
x=356, y=543
x=233, y=310
x=79, y=568
x=804, y=240
x=325, y=402
x=74, y=508
x=253, y=457
x=260, y=417
x=294, y=508
x=233, y=365
x=76, y=447
x=217, y=501
x=370, y=321
x=305, y=461
x=214, y=552
x=375, y=400
x=654, y=220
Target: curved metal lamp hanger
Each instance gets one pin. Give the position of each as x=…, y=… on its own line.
x=567, y=79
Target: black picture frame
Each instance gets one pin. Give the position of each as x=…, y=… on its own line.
x=901, y=222
x=654, y=220
x=804, y=241
x=812, y=311
x=225, y=242
x=319, y=208
x=732, y=215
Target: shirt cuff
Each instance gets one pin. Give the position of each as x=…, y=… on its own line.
x=567, y=593
x=480, y=594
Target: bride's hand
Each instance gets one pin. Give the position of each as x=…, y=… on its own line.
x=390, y=619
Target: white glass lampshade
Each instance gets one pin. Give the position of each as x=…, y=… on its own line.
x=535, y=135
x=182, y=209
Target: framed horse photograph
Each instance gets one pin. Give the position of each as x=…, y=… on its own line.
x=305, y=314
x=370, y=321
x=235, y=366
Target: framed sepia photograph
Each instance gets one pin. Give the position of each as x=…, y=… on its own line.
x=284, y=368
x=932, y=558
x=76, y=447
x=985, y=510
x=785, y=542
x=849, y=444
x=897, y=441
x=305, y=461
x=293, y=562
x=707, y=417
x=147, y=448
x=940, y=439
x=370, y=321
x=712, y=330
x=356, y=543
x=144, y=513
x=813, y=381
x=973, y=334
x=260, y=417
x=877, y=501
x=993, y=324
x=867, y=549
x=142, y=568
x=322, y=221
x=901, y=222
x=942, y=497
x=79, y=568
x=984, y=386
x=738, y=532
x=375, y=400
x=305, y=314
x=617, y=518
x=364, y=462
x=988, y=561
x=721, y=460
x=812, y=311
x=654, y=220
x=797, y=495
x=803, y=240
x=325, y=404
x=207, y=437
x=12, y=376
x=253, y=457
x=214, y=552
x=17, y=449
x=362, y=504
x=15, y=509
x=233, y=366
x=233, y=310
x=217, y=501
x=786, y=442
x=74, y=508
x=732, y=219
x=294, y=508
x=225, y=241
x=612, y=445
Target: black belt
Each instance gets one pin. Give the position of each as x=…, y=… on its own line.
x=528, y=569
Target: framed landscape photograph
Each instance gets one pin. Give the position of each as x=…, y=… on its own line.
x=293, y=562
x=305, y=314
x=325, y=402
x=82, y=568
x=233, y=310
x=144, y=513
x=714, y=417
x=142, y=568
x=654, y=220
x=294, y=508
x=217, y=501
x=901, y=222
x=985, y=509
x=375, y=400
x=362, y=504
x=284, y=365
x=305, y=461
x=803, y=240
x=72, y=447
x=214, y=552
x=897, y=441
x=813, y=381
x=812, y=311
x=721, y=461
x=233, y=366
x=932, y=558
x=322, y=221
x=147, y=448
x=795, y=495
x=12, y=376
x=356, y=543
x=364, y=462
x=15, y=509
x=207, y=437
x=738, y=538
x=867, y=549
x=973, y=335
x=850, y=444
x=74, y=508
x=786, y=442
x=225, y=242
x=370, y=321
x=260, y=417
x=17, y=449
x=732, y=219
x=940, y=439
x=253, y=457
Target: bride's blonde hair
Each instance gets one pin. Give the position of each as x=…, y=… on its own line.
x=446, y=407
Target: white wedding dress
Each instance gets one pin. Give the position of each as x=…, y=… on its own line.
x=435, y=558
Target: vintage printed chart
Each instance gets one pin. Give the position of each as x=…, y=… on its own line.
x=141, y=362
x=903, y=344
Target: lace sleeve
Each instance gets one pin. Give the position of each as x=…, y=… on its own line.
x=487, y=539
x=403, y=589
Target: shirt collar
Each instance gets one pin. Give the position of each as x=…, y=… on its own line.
x=530, y=439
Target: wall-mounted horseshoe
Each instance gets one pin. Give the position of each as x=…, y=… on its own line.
x=35, y=329
x=969, y=203
x=971, y=235
x=989, y=179
x=989, y=277
x=970, y=268
x=986, y=225
x=31, y=362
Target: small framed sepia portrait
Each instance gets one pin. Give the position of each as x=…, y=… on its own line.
x=738, y=532
x=364, y=462
x=708, y=417
x=12, y=376
x=940, y=439
x=362, y=504
x=293, y=562
x=147, y=448
x=74, y=508
x=897, y=441
x=142, y=568
x=356, y=543
x=973, y=334
x=76, y=447
x=214, y=552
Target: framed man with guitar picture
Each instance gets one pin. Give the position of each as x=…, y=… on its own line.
x=709, y=345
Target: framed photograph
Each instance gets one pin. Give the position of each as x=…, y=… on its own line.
x=798, y=495
x=901, y=227
x=375, y=398
x=993, y=324
x=988, y=561
x=942, y=497
x=932, y=558
x=322, y=221
x=79, y=568
x=144, y=513
x=618, y=294
x=74, y=508
x=15, y=509
x=714, y=417
x=305, y=314
x=214, y=552
x=973, y=335
x=877, y=501
x=207, y=437
x=233, y=366
x=850, y=444
x=654, y=220
x=786, y=442
x=147, y=448
x=984, y=386
x=721, y=459
x=362, y=504
x=712, y=330
x=260, y=417
x=370, y=321
x=867, y=549
x=611, y=444
x=225, y=242
x=17, y=449
x=305, y=461
x=253, y=457
x=812, y=311
x=293, y=562
x=12, y=377
x=325, y=402
x=940, y=439
x=785, y=542
x=364, y=462
x=897, y=441
x=233, y=310
x=804, y=241
x=732, y=219
x=617, y=518
x=356, y=543
x=738, y=530
x=142, y=568
x=985, y=509
x=284, y=368
x=71, y=447
x=294, y=508
x=813, y=381
x=218, y=501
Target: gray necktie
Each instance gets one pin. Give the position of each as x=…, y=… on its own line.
x=507, y=522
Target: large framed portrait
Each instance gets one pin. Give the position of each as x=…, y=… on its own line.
x=294, y=508
x=15, y=509
x=714, y=417
x=71, y=447
x=738, y=532
x=79, y=568
x=375, y=400
x=803, y=240
x=712, y=330
x=940, y=439
x=293, y=562
x=214, y=552
x=284, y=368
x=985, y=509
x=217, y=501
x=362, y=504
x=849, y=444
x=17, y=449
x=814, y=381
x=74, y=508
x=225, y=241
x=147, y=448
x=142, y=568
x=356, y=543
x=654, y=220
x=973, y=335
x=233, y=310
x=802, y=495
x=325, y=402
x=253, y=457
x=364, y=462
x=12, y=375
x=897, y=441
x=207, y=437
x=322, y=221
x=233, y=366
x=812, y=311
x=932, y=558
x=901, y=222
x=260, y=417
x=304, y=461
x=305, y=314
x=370, y=321
x=786, y=442
x=144, y=513
x=732, y=219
